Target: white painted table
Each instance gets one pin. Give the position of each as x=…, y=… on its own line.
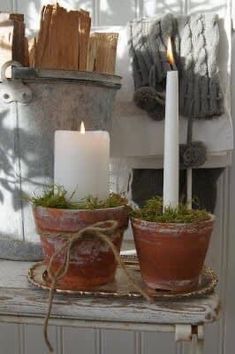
x=22, y=303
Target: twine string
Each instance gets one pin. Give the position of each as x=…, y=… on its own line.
x=101, y=230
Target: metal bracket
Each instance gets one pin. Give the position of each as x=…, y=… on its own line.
x=193, y=334
x=183, y=333
x=14, y=90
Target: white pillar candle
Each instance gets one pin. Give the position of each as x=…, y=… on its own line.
x=171, y=142
x=81, y=163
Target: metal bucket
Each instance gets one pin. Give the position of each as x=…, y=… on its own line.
x=33, y=104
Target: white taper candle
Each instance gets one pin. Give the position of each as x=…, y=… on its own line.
x=171, y=142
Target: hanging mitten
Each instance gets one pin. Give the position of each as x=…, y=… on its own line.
x=148, y=52
x=199, y=80
x=195, y=42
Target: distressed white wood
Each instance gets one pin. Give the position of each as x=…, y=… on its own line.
x=33, y=304
x=219, y=256
x=229, y=292
x=21, y=303
x=19, y=297
x=78, y=323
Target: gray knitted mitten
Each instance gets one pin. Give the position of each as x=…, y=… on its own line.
x=148, y=46
x=199, y=72
x=195, y=43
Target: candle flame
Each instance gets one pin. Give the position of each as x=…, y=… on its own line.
x=169, y=54
x=82, y=128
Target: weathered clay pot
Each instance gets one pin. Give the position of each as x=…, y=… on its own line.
x=171, y=256
x=92, y=263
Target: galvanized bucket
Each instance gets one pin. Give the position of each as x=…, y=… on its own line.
x=33, y=104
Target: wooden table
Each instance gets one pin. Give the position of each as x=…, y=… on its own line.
x=22, y=303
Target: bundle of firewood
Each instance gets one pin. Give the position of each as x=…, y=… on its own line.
x=64, y=42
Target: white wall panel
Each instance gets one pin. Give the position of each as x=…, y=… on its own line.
x=31, y=10
x=161, y=7
x=113, y=12
x=157, y=343
x=6, y=5
x=207, y=5
x=9, y=339
x=229, y=320
x=79, y=340
x=33, y=341
x=118, y=342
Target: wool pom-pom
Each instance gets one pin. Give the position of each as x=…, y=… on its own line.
x=145, y=98
x=152, y=101
x=158, y=113
x=193, y=154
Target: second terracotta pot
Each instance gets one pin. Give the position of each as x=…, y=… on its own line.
x=92, y=263
x=171, y=256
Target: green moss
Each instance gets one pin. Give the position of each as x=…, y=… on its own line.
x=113, y=200
x=153, y=211
x=57, y=197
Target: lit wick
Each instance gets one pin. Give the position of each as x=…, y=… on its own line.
x=169, y=55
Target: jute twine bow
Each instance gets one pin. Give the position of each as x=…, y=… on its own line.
x=101, y=230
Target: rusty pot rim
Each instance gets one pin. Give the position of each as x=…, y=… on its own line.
x=171, y=224
x=120, y=207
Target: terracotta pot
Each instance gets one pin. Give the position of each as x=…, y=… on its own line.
x=92, y=262
x=171, y=256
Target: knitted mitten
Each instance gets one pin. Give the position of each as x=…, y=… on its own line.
x=195, y=44
x=148, y=45
x=199, y=82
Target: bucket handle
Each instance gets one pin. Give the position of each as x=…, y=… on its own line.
x=13, y=90
x=6, y=65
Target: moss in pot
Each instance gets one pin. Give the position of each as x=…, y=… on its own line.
x=171, y=245
x=92, y=262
